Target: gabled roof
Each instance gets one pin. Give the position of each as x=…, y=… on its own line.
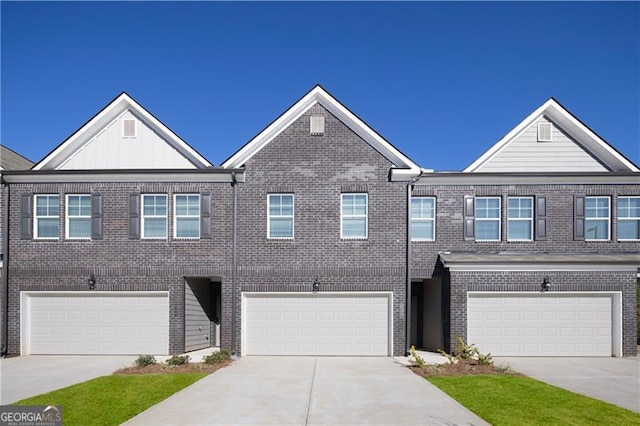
x=11, y=160
x=109, y=113
x=587, y=138
x=321, y=96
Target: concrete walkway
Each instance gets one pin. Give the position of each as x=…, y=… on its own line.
x=310, y=391
x=614, y=380
x=26, y=376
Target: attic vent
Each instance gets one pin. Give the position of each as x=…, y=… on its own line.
x=129, y=128
x=544, y=132
x=317, y=125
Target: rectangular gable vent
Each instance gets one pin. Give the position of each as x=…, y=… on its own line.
x=317, y=125
x=129, y=128
x=544, y=132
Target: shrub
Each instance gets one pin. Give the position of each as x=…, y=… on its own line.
x=465, y=351
x=417, y=359
x=216, y=357
x=144, y=360
x=450, y=357
x=178, y=360
x=504, y=369
x=484, y=359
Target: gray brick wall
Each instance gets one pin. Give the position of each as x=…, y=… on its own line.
x=449, y=237
x=317, y=169
x=119, y=264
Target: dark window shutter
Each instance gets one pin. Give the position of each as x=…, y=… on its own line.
x=26, y=225
x=469, y=218
x=96, y=216
x=541, y=218
x=578, y=217
x=134, y=216
x=205, y=216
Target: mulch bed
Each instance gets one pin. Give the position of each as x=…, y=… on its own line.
x=464, y=367
x=162, y=368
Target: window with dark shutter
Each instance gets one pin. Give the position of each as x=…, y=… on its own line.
x=205, y=216
x=578, y=217
x=25, y=217
x=469, y=218
x=96, y=216
x=541, y=218
x=134, y=216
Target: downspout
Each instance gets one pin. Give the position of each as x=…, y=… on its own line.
x=234, y=262
x=408, y=265
x=408, y=272
x=5, y=275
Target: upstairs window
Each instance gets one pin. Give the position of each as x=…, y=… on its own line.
x=423, y=219
x=47, y=216
x=354, y=216
x=78, y=216
x=596, y=215
x=154, y=216
x=186, y=216
x=628, y=218
x=520, y=219
x=280, y=216
x=487, y=218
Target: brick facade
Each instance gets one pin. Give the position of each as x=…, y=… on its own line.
x=449, y=237
x=317, y=169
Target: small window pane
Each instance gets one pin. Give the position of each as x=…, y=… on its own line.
x=354, y=228
x=188, y=227
x=520, y=230
x=155, y=227
x=79, y=228
x=422, y=230
x=48, y=228
x=281, y=228
x=629, y=230
x=487, y=230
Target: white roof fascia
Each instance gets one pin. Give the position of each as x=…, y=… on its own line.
x=319, y=95
x=120, y=104
x=592, y=142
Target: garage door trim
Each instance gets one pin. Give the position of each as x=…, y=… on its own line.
x=363, y=294
x=616, y=308
x=25, y=307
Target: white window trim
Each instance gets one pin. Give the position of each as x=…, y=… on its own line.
x=366, y=216
x=482, y=219
x=292, y=216
x=143, y=217
x=135, y=128
x=176, y=216
x=67, y=217
x=36, y=217
x=626, y=218
x=518, y=219
x=421, y=219
x=608, y=218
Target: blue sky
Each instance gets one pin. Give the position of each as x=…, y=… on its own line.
x=441, y=81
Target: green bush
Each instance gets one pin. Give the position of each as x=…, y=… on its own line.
x=463, y=350
x=178, y=360
x=484, y=359
x=144, y=360
x=417, y=359
x=216, y=357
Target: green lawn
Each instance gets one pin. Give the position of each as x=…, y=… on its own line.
x=516, y=400
x=111, y=400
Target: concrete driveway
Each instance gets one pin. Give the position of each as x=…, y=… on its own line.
x=310, y=391
x=26, y=376
x=614, y=380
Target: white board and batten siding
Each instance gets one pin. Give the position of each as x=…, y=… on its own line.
x=94, y=323
x=545, y=324
x=110, y=149
x=525, y=154
x=343, y=324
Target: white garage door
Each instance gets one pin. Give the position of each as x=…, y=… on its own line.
x=95, y=323
x=316, y=324
x=541, y=324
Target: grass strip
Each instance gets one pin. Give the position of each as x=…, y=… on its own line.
x=111, y=400
x=515, y=400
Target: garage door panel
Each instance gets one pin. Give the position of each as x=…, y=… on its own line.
x=102, y=323
x=561, y=325
x=316, y=324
